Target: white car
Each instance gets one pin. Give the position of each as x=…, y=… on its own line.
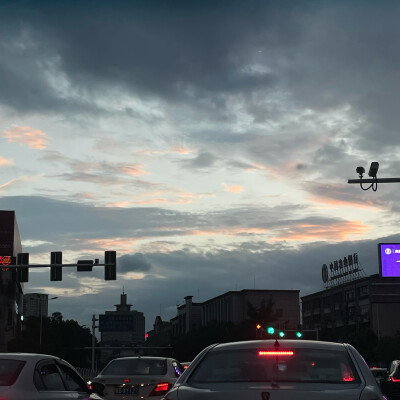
x=277, y=370
x=137, y=378
x=26, y=376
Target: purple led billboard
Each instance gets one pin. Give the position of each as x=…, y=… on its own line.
x=389, y=259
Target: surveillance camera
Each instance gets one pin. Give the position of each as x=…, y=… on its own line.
x=360, y=171
x=373, y=169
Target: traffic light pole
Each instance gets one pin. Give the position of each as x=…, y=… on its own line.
x=21, y=267
x=94, y=319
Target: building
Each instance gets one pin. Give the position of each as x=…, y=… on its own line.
x=233, y=306
x=188, y=317
x=123, y=326
x=35, y=305
x=346, y=309
x=230, y=307
x=10, y=290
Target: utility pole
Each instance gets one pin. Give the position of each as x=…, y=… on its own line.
x=94, y=319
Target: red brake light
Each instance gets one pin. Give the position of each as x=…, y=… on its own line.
x=393, y=379
x=161, y=388
x=275, y=353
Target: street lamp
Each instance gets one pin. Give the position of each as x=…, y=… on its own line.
x=41, y=319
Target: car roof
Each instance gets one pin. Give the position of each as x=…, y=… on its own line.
x=142, y=358
x=27, y=356
x=285, y=343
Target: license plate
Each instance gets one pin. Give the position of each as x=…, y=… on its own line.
x=127, y=390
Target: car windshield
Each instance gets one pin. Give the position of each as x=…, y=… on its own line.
x=304, y=365
x=9, y=371
x=140, y=366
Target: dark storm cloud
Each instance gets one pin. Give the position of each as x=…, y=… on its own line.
x=204, y=160
x=321, y=54
x=151, y=48
x=134, y=263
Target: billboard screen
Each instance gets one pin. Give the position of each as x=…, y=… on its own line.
x=116, y=323
x=389, y=259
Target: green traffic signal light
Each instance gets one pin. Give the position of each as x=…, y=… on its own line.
x=282, y=334
x=271, y=330
x=299, y=334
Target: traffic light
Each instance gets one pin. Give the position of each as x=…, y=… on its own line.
x=84, y=265
x=258, y=331
x=299, y=333
x=110, y=268
x=270, y=330
x=281, y=334
x=23, y=272
x=56, y=266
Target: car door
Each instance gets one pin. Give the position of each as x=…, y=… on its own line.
x=54, y=383
x=73, y=381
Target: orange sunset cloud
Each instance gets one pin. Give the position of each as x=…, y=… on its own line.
x=34, y=138
x=335, y=232
x=6, y=162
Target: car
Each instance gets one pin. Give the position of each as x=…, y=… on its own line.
x=277, y=370
x=140, y=377
x=390, y=383
x=378, y=373
x=185, y=364
x=39, y=377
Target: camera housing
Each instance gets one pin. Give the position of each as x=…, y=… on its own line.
x=360, y=171
x=373, y=169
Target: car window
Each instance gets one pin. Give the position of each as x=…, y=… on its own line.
x=9, y=371
x=304, y=365
x=72, y=380
x=140, y=366
x=50, y=378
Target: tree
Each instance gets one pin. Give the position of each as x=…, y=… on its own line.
x=62, y=338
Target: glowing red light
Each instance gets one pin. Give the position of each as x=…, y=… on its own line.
x=127, y=380
x=348, y=378
x=146, y=335
x=5, y=260
x=275, y=353
x=161, y=387
x=313, y=364
x=393, y=379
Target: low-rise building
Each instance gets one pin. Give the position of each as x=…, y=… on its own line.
x=344, y=310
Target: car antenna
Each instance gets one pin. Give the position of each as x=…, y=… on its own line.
x=274, y=381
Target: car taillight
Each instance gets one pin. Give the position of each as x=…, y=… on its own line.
x=393, y=379
x=160, y=389
x=275, y=353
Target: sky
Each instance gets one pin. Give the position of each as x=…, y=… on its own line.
x=209, y=143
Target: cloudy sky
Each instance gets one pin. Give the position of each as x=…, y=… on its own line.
x=208, y=142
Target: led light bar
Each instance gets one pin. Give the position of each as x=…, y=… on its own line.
x=275, y=353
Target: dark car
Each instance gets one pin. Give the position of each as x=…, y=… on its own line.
x=390, y=384
x=284, y=370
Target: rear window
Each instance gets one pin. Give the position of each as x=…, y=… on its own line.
x=9, y=371
x=138, y=366
x=304, y=365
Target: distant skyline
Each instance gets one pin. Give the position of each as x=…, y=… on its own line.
x=208, y=143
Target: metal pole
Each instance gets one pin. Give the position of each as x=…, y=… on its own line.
x=41, y=324
x=93, y=342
